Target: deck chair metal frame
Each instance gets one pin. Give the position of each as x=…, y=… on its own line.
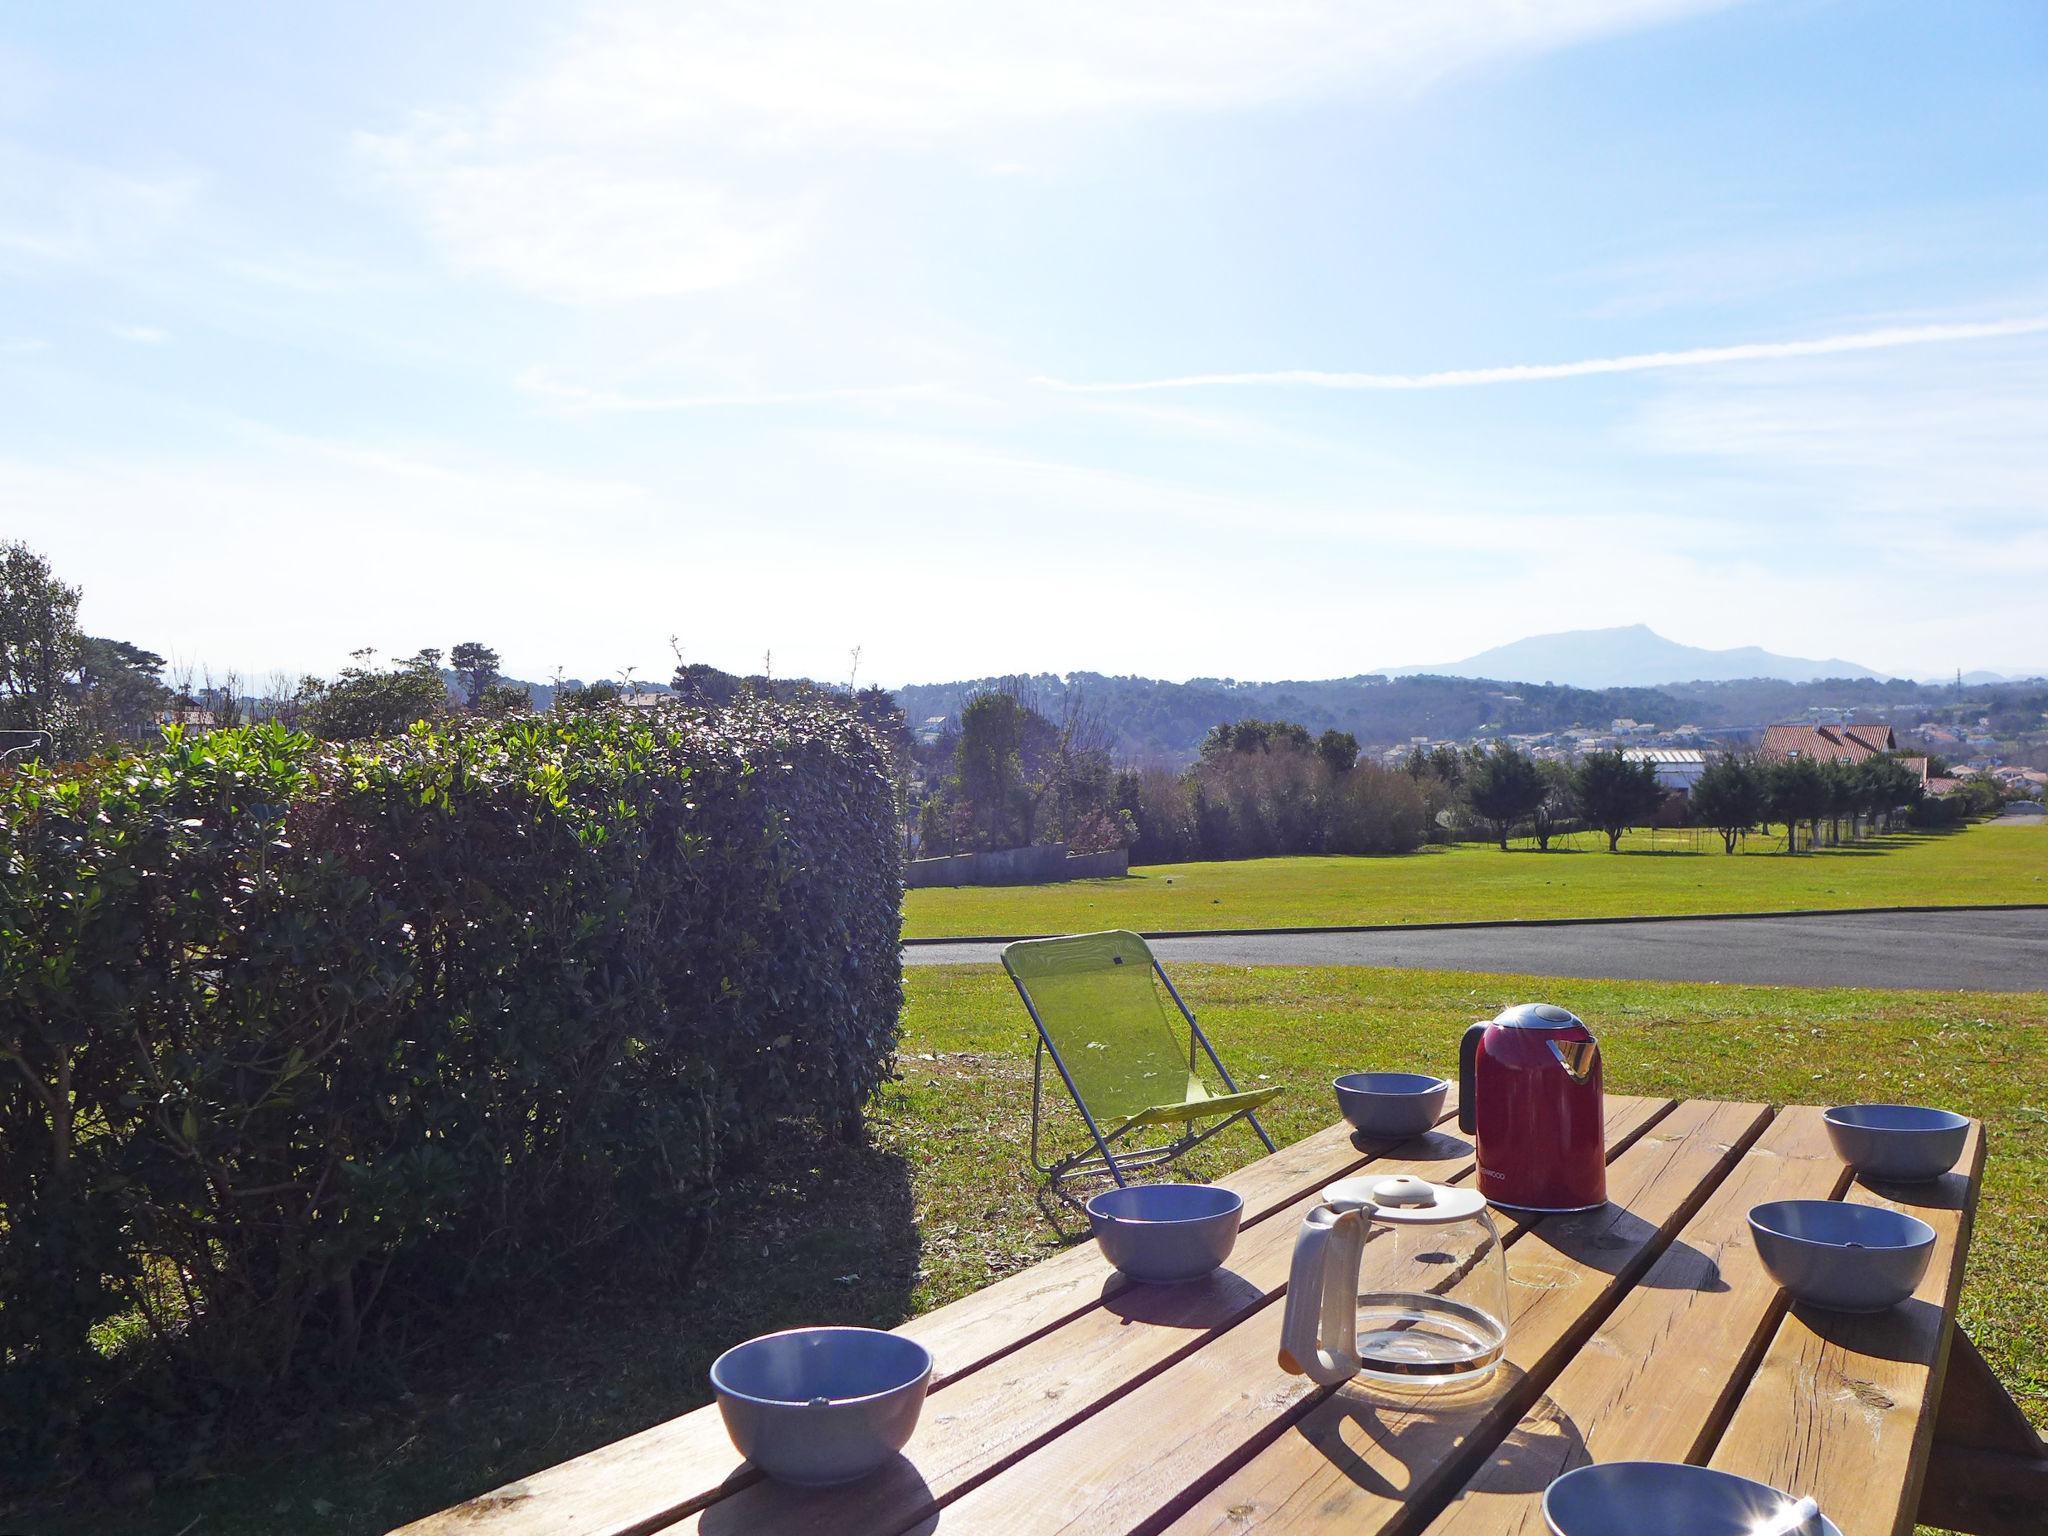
x=1111, y=1157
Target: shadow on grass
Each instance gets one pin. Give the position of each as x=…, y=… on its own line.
x=820, y=1232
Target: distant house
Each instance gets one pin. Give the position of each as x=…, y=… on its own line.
x=1677, y=768
x=1831, y=743
x=1847, y=744
x=193, y=719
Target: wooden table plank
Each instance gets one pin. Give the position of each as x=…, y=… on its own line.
x=979, y=1425
x=1657, y=1380
x=1843, y=1407
x=1368, y=1460
x=653, y=1478
x=967, y=1334
x=982, y=1424
x=1146, y=1452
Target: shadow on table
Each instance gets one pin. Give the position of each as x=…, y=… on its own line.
x=1612, y=1240
x=896, y=1485
x=1216, y=1300
x=1421, y=1429
x=1431, y=1147
x=1907, y=1332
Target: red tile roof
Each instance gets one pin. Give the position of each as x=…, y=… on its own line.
x=1823, y=742
x=1876, y=736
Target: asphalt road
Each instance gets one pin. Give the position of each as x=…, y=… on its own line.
x=1938, y=951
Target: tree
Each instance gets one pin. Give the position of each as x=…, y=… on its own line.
x=988, y=769
x=1730, y=797
x=1798, y=792
x=476, y=664
x=1504, y=788
x=1256, y=736
x=1886, y=786
x=696, y=682
x=366, y=702
x=501, y=701
x=1448, y=765
x=1616, y=792
x=1339, y=749
x=40, y=645
x=574, y=696
x=120, y=690
x=1560, y=802
x=1844, y=786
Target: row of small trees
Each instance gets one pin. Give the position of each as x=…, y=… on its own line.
x=1738, y=793
x=1513, y=793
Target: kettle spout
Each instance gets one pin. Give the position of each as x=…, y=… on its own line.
x=1577, y=1057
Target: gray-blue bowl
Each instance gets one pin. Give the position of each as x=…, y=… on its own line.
x=1666, y=1498
x=1842, y=1256
x=1391, y=1105
x=1165, y=1233
x=1897, y=1141
x=819, y=1406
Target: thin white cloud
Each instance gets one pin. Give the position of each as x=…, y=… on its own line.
x=577, y=399
x=21, y=346
x=141, y=335
x=1946, y=448
x=662, y=151
x=71, y=212
x=1635, y=362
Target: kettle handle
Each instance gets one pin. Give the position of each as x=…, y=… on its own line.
x=1319, y=1328
x=1468, y=1076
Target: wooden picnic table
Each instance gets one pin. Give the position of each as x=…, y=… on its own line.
x=1068, y=1400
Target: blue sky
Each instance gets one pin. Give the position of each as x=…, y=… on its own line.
x=1190, y=338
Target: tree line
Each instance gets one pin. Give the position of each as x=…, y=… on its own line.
x=1010, y=775
x=1511, y=794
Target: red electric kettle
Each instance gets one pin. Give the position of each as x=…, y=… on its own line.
x=1529, y=1097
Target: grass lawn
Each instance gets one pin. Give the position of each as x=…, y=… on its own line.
x=1664, y=872
x=942, y=1201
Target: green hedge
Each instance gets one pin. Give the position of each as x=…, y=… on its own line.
x=295, y=1039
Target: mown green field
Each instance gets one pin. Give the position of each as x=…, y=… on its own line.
x=1655, y=873
x=942, y=1200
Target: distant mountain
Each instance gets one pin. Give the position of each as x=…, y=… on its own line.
x=1632, y=656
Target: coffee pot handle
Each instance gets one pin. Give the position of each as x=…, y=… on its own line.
x=1468, y=1076
x=1319, y=1327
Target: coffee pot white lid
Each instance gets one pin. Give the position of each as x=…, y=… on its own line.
x=1406, y=1199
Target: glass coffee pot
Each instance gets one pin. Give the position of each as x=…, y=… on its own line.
x=1396, y=1279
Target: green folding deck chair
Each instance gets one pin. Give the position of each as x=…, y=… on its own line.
x=1096, y=1000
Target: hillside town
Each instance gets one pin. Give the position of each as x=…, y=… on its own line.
x=1942, y=754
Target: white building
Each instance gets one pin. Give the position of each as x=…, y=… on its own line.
x=1677, y=767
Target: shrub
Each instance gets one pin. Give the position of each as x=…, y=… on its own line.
x=1377, y=810
x=368, y=702
x=301, y=1039
x=1275, y=796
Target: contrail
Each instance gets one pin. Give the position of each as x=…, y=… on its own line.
x=1636, y=362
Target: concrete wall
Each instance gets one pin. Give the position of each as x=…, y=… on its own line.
x=1015, y=866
